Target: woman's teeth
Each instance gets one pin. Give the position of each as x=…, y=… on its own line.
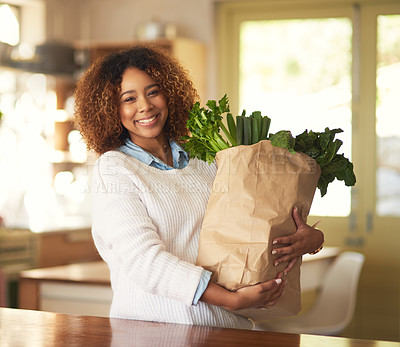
x=148, y=120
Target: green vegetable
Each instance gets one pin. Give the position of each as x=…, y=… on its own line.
x=231, y=126
x=205, y=141
x=322, y=147
x=284, y=139
x=239, y=130
x=265, y=123
x=247, y=131
x=204, y=125
x=255, y=134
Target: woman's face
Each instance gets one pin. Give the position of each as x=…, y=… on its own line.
x=143, y=108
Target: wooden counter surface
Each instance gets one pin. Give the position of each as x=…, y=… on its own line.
x=96, y=273
x=35, y=328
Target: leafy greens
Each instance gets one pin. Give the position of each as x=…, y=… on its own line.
x=206, y=140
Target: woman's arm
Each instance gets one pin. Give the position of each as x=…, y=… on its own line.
x=306, y=239
x=259, y=295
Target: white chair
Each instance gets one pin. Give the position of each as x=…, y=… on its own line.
x=335, y=304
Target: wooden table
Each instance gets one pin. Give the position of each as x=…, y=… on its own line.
x=85, y=288
x=37, y=328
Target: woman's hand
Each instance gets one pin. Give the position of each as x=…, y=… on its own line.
x=256, y=296
x=306, y=239
x=260, y=295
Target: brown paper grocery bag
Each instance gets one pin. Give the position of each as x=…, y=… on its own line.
x=254, y=192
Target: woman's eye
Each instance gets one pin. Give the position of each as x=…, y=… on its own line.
x=154, y=92
x=129, y=99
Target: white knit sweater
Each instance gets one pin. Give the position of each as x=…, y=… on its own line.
x=146, y=225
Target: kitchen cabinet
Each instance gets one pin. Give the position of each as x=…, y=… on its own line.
x=22, y=249
x=65, y=247
x=76, y=288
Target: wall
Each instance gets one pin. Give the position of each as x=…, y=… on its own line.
x=110, y=20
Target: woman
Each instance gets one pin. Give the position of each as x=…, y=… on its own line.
x=149, y=199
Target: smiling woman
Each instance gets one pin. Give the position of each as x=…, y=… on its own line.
x=109, y=85
x=149, y=198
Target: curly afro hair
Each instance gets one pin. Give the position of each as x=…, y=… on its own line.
x=97, y=95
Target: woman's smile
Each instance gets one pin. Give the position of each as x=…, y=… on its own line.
x=148, y=121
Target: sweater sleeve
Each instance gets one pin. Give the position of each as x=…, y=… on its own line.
x=128, y=241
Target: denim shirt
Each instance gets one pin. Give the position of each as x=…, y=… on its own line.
x=180, y=157
x=180, y=160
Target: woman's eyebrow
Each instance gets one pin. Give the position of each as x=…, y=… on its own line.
x=151, y=86
x=126, y=92
x=145, y=88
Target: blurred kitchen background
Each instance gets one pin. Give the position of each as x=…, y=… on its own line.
x=307, y=64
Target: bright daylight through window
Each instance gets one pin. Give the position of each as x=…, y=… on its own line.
x=9, y=25
x=303, y=84
x=388, y=117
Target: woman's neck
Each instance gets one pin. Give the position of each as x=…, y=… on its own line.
x=159, y=147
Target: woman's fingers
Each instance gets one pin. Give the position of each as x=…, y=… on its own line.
x=274, y=297
x=306, y=239
x=290, y=265
x=270, y=285
x=284, y=259
x=290, y=239
x=268, y=292
x=287, y=253
x=297, y=218
x=283, y=250
x=284, y=240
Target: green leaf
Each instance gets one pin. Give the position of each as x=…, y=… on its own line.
x=322, y=185
x=204, y=124
x=205, y=141
x=284, y=139
x=328, y=136
x=305, y=141
x=349, y=176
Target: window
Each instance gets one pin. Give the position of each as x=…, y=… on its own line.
x=9, y=24
x=334, y=63
x=310, y=66
x=388, y=116
x=303, y=83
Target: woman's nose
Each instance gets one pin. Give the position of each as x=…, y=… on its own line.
x=144, y=104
